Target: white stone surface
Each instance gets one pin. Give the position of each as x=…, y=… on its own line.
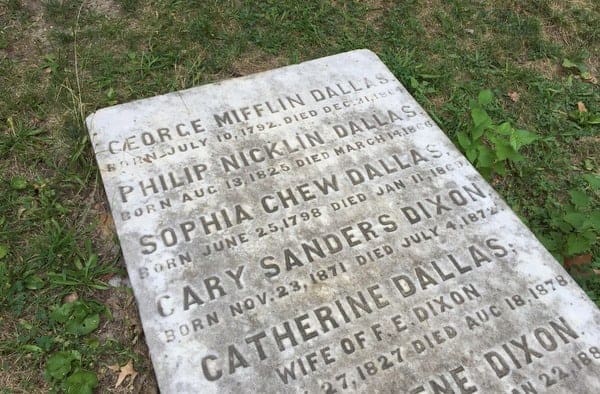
x=310, y=229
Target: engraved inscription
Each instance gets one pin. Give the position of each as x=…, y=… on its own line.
x=311, y=230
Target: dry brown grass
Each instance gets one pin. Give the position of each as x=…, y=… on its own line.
x=428, y=20
x=586, y=148
x=16, y=378
x=125, y=327
x=256, y=60
x=548, y=68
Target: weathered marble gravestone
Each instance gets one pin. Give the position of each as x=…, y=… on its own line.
x=311, y=229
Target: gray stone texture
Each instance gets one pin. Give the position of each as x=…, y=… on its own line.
x=311, y=229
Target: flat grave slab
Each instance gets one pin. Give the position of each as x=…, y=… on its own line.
x=311, y=229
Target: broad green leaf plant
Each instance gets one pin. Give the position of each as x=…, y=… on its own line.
x=491, y=146
x=575, y=225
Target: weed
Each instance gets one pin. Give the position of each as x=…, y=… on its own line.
x=571, y=229
x=490, y=146
x=584, y=118
x=64, y=370
x=574, y=225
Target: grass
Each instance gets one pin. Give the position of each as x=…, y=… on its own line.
x=61, y=59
